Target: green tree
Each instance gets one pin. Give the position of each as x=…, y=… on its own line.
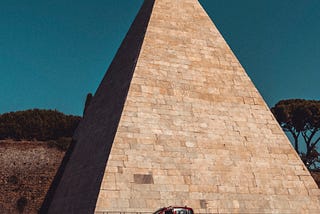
x=301, y=118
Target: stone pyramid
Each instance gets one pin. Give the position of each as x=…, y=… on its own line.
x=177, y=121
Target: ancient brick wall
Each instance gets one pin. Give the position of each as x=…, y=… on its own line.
x=26, y=171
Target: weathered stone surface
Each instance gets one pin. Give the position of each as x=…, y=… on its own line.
x=26, y=171
x=196, y=123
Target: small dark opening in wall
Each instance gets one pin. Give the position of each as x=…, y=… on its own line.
x=143, y=179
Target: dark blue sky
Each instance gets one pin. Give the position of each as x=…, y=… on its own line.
x=52, y=53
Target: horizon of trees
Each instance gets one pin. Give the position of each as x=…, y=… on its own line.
x=37, y=124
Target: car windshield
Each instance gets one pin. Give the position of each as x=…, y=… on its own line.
x=182, y=211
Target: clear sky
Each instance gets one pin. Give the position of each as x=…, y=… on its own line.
x=53, y=52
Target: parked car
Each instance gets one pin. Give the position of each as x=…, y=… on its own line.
x=174, y=210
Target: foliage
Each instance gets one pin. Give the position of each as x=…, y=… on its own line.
x=37, y=124
x=301, y=118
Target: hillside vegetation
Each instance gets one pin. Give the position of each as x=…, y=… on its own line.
x=32, y=145
x=36, y=124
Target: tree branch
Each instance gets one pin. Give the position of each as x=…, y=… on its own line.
x=305, y=137
x=314, y=131
x=315, y=143
x=295, y=135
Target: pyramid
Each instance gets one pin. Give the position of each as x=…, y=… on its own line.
x=177, y=121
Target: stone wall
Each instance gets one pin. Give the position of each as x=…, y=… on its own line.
x=27, y=169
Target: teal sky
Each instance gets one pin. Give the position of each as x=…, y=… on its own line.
x=53, y=52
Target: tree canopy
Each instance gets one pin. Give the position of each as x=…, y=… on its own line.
x=37, y=124
x=301, y=118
